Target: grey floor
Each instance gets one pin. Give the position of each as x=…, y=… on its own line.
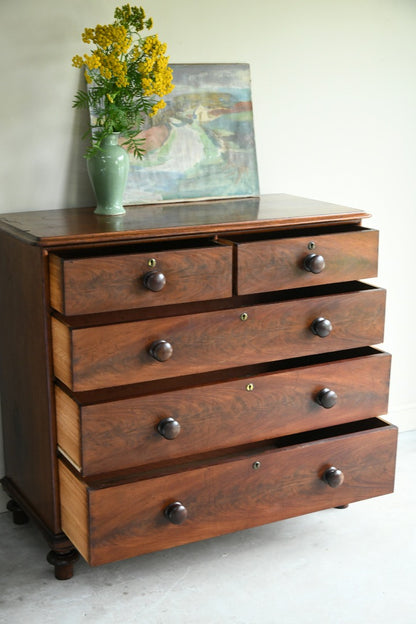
x=353, y=566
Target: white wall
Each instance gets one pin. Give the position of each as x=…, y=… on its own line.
x=334, y=93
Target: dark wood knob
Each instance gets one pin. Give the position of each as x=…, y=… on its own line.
x=169, y=428
x=321, y=327
x=314, y=263
x=326, y=398
x=176, y=513
x=154, y=280
x=161, y=350
x=333, y=477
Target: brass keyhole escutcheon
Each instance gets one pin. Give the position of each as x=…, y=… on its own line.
x=244, y=316
x=256, y=465
x=151, y=262
x=311, y=245
x=250, y=387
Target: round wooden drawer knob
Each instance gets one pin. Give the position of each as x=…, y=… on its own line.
x=321, y=327
x=176, y=513
x=314, y=263
x=326, y=398
x=169, y=428
x=161, y=350
x=154, y=280
x=333, y=477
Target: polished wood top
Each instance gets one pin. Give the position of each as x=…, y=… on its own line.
x=71, y=226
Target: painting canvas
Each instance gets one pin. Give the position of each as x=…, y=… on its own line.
x=202, y=144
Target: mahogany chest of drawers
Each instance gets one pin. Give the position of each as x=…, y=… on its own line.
x=189, y=370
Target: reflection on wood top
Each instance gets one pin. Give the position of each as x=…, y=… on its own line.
x=80, y=225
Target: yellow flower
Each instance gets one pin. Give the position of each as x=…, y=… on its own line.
x=87, y=77
x=87, y=35
x=93, y=61
x=147, y=86
x=77, y=61
x=157, y=107
x=146, y=66
x=105, y=72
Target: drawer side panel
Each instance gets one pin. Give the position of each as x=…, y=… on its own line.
x=74, y=510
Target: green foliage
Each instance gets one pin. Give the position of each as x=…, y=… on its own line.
x=127, y=74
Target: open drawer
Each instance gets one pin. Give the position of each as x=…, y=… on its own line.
x=109, y=279
x=329, y=319
x=99, y=435
x=171, y=505
x=267, y=262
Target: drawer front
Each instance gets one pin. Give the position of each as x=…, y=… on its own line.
x=132, y=432
x=112, y=355
x=108, y=283
x=249, y=490
x=279, y=264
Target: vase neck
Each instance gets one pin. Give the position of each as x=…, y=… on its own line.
x=110, y=139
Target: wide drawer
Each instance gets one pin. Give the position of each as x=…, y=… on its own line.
x=117, y=281
x=121, y=434
x=270, y=263
x=109, y=521
x=125, y=353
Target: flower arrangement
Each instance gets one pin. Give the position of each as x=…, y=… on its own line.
x=127, y=74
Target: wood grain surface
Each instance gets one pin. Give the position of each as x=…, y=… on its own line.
x=269, y=264
x=115, y=281
x=80, y=226
x=25, y=381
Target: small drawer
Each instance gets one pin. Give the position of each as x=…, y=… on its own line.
x=107, y=521
x=133, y=352
x=122, y=434
x=154, y=277
x=316, y=257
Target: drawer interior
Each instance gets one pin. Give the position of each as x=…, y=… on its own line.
x=149, y=247
x=299, y=232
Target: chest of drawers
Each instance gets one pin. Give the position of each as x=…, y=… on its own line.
x=189, y=370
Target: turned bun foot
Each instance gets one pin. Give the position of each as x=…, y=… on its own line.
x=19, y=516
x=64, y=563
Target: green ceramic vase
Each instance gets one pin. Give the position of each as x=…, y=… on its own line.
x=108, y=171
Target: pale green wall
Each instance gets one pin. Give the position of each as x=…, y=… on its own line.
x=334, y=93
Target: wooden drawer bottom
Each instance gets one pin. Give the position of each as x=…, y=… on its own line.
x=114, y=520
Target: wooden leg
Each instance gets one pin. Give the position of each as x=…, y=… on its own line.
x=19, y=516
x=63, y=562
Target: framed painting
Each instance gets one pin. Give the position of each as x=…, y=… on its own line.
x=201, y=146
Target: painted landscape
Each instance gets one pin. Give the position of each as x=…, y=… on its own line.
x=202, y=144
